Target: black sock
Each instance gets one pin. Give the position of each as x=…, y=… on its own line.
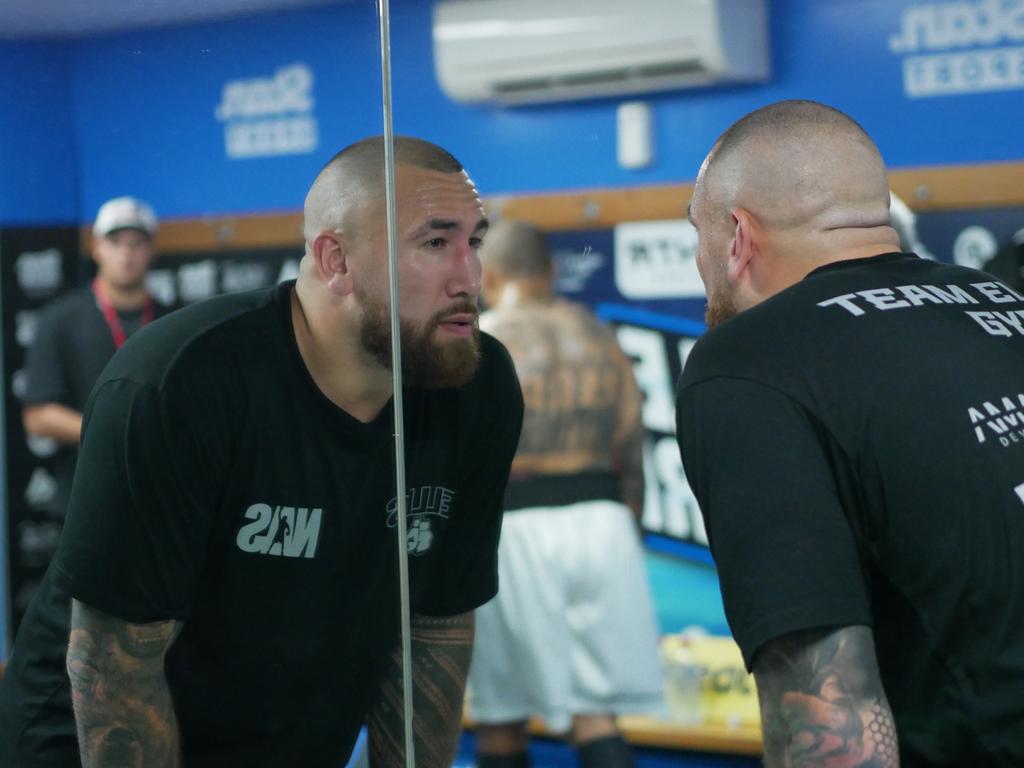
x=518, y=760
x=609, y=752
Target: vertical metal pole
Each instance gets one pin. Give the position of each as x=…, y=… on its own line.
x=6, y=612
x=396, y=369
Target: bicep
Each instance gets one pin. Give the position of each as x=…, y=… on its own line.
x=446, y=631
x=822, y=701
x=629, y=431
x=786, y=553
x=101, y=644
x=142, y=506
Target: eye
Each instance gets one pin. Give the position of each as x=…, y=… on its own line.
x=476, y=242
x=437, y=242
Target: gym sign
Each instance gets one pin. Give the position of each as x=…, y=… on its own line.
x=657, y=260
x=269, y=116
x=961, y=47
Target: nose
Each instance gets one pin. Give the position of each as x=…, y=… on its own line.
x=464, y=275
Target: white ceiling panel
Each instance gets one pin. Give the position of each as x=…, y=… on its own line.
x=81, y=18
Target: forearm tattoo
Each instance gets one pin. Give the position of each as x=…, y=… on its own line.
x=822, y=703
x=123, y=711
x=441, y=651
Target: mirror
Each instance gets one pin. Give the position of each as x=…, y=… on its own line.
x=221, y=122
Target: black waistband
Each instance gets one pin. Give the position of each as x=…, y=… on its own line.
x=559, y=490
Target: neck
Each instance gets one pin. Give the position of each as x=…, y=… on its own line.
x=348, y=376
x=124, y=298
x=519, y=293
x=863, y=245
x=792, y=256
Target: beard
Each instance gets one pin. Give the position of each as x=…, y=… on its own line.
x=721, y=306
x=426, y=362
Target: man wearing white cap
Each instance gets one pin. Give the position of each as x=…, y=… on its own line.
x=78, y=334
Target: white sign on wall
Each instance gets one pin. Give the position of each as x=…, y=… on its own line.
x=39, y=273
x=269, y=116
x=657, y=260
x=961, y=47
x=669, y=504
x=575, y=268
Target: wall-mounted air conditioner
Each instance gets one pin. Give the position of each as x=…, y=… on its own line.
x=525, y=51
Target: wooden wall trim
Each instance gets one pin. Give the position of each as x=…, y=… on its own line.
x=222, y=233
x=991, y=185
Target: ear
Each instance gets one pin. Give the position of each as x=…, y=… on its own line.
x=743, y=251
x=330, y=254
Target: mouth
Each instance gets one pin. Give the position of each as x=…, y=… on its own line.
x=460, y=324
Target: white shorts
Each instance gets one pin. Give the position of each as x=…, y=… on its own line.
x=572, y=629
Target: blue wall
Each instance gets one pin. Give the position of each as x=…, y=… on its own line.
x=38, y=172
x=169, y=144
x=835, y=51
x=142, y=117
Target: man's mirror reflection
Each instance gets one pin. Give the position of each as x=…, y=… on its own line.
x=710, y=418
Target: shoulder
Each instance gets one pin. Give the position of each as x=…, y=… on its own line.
x=197, y=341
x=742, y=346
x=508, y=323
x=70, y=307
x=579, y=316
x=786, y=330
x=496, y=366
x=494, y=391
x=537, y=324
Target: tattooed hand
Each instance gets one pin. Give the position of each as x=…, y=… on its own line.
x=123, y=710
x=822, y=703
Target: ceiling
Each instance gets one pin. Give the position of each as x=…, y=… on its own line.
x=79, y=18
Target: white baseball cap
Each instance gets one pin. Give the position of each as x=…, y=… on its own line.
x=124, y=213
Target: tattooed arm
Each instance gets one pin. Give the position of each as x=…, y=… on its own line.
x=822, y=702
x=629, y=438
x=441, y=650
x=123, y=710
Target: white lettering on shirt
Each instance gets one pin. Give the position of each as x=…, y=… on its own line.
x=915, y=296
x=1005, y=420
x=280, y=531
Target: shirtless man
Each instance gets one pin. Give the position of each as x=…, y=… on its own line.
x=571, y=636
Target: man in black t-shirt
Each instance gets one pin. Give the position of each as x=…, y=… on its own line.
x=852, y=425
x=229, y=553
x=78, y=334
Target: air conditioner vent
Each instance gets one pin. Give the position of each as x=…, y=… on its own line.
x=524, y=51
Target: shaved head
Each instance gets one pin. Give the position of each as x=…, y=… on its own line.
x=798, y=164
x=515, y=250
x=789, y=187
x=353, y=180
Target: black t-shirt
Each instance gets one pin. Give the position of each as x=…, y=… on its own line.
x=72, y=345
x=218, y=486
x=856, y=444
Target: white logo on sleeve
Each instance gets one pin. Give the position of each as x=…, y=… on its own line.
x=1002, y=419
x=422, y=504
x=280, y=531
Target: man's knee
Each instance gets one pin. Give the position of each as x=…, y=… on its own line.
x=587, y=728
x=502, y=739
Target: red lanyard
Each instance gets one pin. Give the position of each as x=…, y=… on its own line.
x=110, y=314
